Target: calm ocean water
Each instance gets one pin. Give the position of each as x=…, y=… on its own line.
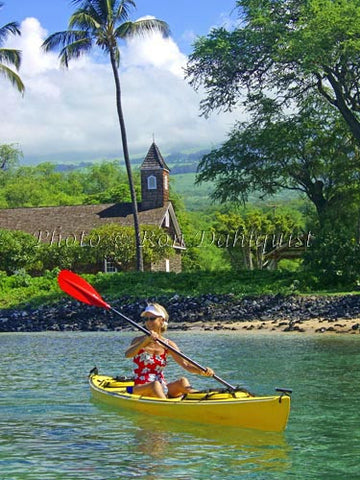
x=51, y=429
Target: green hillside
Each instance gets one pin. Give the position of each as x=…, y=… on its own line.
x=197, y=197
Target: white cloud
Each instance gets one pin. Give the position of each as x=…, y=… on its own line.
x=32, y=37
x=157, y=51
x=74, y=110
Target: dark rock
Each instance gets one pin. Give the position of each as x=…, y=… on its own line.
x=216, y=309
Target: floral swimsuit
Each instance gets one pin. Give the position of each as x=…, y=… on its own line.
x=149, y=367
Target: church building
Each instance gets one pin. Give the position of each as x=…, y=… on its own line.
x=72, y=223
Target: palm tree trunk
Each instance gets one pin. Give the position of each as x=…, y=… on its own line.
x=139, y=255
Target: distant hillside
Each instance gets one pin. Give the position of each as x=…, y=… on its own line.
x=178, y=162
x=76, y=159
x=183, y=173
x=197, y=197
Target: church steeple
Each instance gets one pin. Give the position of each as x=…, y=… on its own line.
x=154, y=179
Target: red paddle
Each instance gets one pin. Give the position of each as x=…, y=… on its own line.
x=78, y=288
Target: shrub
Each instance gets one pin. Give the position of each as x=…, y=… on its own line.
x=18, y=250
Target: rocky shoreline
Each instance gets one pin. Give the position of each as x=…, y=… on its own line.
x=267, y=313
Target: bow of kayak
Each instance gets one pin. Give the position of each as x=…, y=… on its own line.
x=222, y=407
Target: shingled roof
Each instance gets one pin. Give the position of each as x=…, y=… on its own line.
x=76, y=221
x=154, y=159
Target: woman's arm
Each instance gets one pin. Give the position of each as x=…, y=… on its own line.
x=190, y=367
x=137, y=344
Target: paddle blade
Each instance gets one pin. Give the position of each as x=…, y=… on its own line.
x=78, y=288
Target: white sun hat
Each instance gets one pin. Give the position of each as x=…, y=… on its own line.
x=151, y=309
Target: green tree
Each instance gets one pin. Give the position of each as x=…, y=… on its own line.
x=288, y=48
x=9, y=156
x=18, y=250
x=113, y=195
x=10, y=57
x=105, y=23
x=334, y=257
x=201, y=251
x=103, y=176
x=44, y=185
x=39, y=185
x=107, y=183
x=114, y=243
x=247, y=236
x=60, y=256
x=311, y=152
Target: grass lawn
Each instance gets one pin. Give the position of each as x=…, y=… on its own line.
x=19, y=292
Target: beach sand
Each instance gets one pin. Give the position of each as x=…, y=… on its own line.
x=312, y=326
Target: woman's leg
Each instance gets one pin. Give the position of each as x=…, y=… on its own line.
x=179, y=387
x=153, y=389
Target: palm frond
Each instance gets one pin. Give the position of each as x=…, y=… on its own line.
x=61, y=39
x=117, y=10
x=9, y=29
x=142, y=27
x=122, y=12
x=101, y=8
x=11, y=57
x=74, y=50
x=72, y=44
x=84, y=20
x=96, y=21
x=13, y=77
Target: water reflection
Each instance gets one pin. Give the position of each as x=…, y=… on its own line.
x=165, y=440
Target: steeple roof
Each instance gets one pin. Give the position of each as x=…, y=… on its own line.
x=154, y=159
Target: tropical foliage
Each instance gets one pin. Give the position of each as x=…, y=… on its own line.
x=10, y=156
x=18, y=251
x=246, y=237
x=310, y=152
x=116, y=243
x=334, y=257
x=45, y=185
x=103, y=24
x=294, y=66
x=10, y=57
x=283, y=48
x=22, y=252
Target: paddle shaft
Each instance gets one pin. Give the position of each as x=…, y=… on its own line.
x=169, y=347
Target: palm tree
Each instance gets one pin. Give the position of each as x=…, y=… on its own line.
x=104, y=23
x=9, y=56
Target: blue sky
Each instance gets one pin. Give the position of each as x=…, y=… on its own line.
x=185, y=17
x=71, y=113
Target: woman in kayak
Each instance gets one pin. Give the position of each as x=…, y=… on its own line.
x=150, y=358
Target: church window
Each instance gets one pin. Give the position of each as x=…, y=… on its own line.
x=151, y=181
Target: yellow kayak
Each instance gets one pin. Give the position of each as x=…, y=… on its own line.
x=222, y=407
